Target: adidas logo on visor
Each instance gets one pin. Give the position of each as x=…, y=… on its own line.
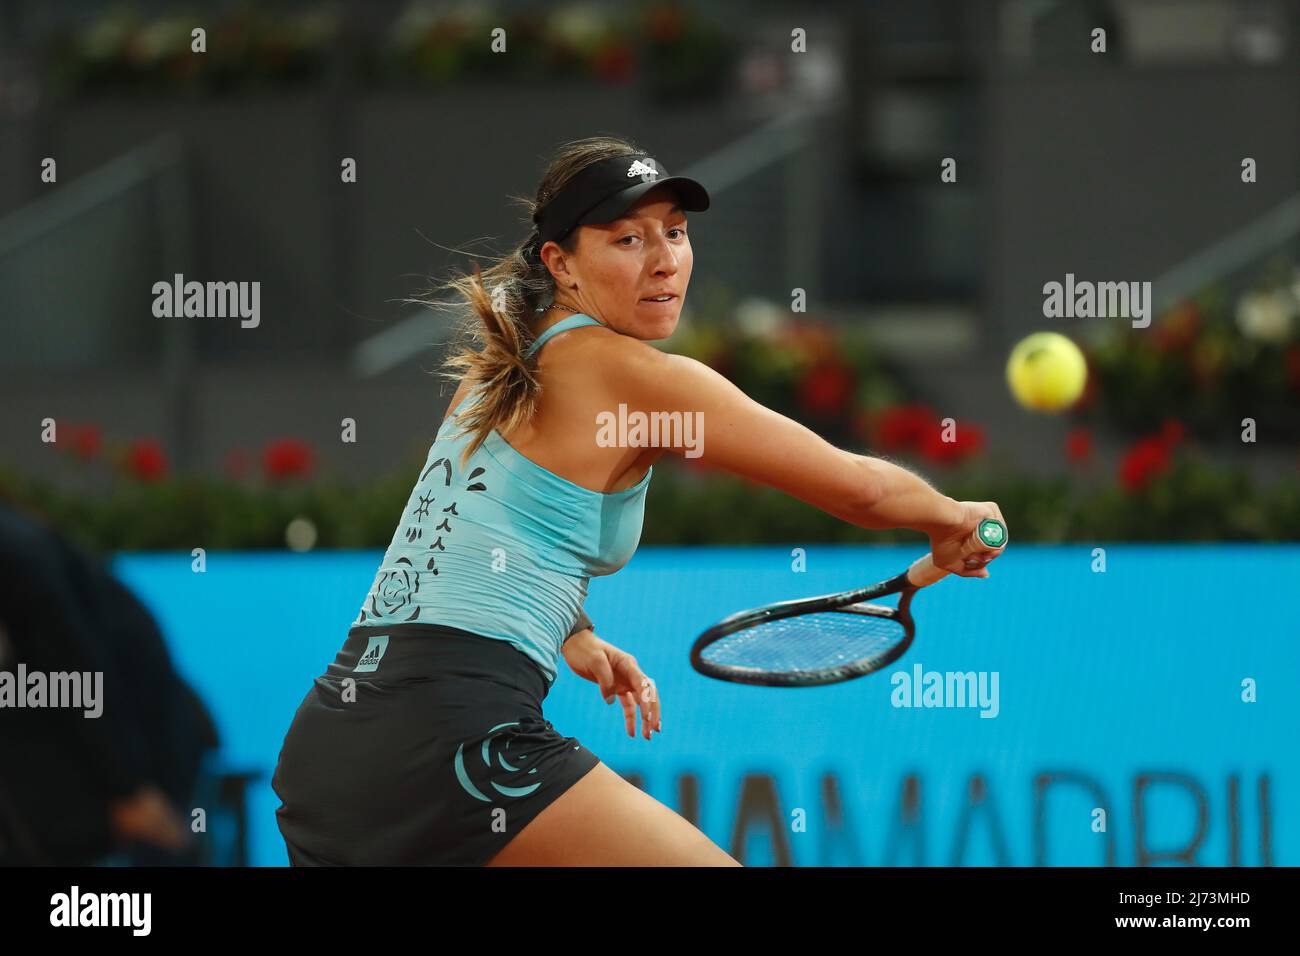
x=639, y=168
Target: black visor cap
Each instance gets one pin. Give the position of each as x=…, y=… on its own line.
x=600, y=193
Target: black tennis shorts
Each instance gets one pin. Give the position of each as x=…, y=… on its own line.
x=420, y=745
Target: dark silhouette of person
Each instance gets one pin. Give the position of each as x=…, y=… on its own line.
x=74, y=789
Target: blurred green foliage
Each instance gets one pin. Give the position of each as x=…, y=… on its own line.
x=1193, y=501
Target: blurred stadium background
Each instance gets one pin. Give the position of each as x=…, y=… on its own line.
x=824, y=170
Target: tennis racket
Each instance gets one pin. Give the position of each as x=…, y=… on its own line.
x=826, y=639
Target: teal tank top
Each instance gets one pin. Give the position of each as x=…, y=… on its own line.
x=503, y=548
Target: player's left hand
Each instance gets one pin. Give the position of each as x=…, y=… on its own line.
x=617, y=674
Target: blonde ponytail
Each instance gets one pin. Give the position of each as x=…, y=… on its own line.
x=499, y=306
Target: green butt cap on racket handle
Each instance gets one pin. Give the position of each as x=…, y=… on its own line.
x=989, y=533
x=992, y=533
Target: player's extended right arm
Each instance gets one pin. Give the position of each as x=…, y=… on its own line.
x=747, y=439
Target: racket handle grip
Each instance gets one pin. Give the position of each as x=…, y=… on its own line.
x=989, y=535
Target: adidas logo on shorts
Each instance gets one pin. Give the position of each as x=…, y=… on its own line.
x=375, y=649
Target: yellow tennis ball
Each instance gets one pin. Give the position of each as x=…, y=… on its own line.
x=1046, y=372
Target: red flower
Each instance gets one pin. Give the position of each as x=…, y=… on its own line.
x=968, y=440
x=287, y=458
x=1078, y=444
x=145, y=460
x=1147, y=458
x=903, y=426
x=86, y=440
x=825, y=388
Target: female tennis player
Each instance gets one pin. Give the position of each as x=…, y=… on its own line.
x=424, y=741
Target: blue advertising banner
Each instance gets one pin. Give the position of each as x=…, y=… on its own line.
x=1086, y=705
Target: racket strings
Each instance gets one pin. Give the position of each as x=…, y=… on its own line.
x=808, y=643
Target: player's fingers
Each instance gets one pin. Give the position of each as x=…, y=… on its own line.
x=649, y=707
x=628, y=700
x=646, y=694
x=603, y=672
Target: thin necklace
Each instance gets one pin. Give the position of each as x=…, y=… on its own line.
x=553, y=306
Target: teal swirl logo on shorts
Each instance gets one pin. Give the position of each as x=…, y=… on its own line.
x=488, y=751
